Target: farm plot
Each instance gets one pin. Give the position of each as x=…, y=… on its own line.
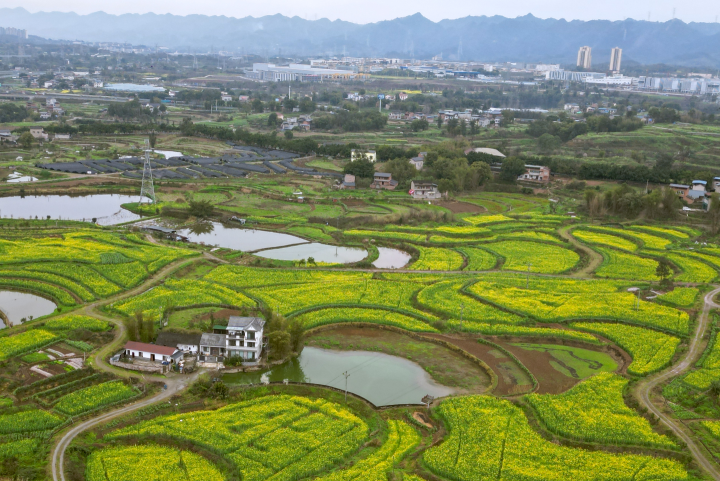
x=379, y=234
x=149, y=463
x=401, y=440
x=373, y=316
x=28, y=421
x=596, y=238
x=620, y=265
x=94, y=397
x=74, y=321
x=239, y=277
x=491, y=439
x=534, y=256
x=595, y=411
x=437, y=259
x=650, y=350
x=680, y=296
x=278, y=437
x=662, y=231
x=649, y=241
x=693, y=270
x=558, y=300
x=353, y=293
x=25, y=342
x=181, y=293
x=519, y=331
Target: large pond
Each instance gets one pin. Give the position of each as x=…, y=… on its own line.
x=271, y=245
x=380, y=378
x=320, y=252
x=133, y=88
x=104, y=207
x=17, y=306
x=391, y=258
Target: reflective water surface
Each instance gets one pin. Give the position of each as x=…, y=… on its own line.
x=104, y=207
x=380, y=378
x=18, y=305
x=279, y=246
x=391, y=258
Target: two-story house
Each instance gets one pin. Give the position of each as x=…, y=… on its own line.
x=245, y=337
x=382, y=180
x=423, y=189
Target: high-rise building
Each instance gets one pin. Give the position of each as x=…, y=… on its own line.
x=584, y=57
x=615, y=59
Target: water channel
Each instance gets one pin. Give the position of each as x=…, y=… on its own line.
x=380, y=378
x=271, y=245
x=18, y=305
x=104, y=207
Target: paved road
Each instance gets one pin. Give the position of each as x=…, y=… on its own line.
x=58, y=455
x=645, y=388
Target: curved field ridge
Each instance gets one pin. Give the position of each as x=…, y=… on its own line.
x=650, y=350
x=280, y=437
x=149, y=463
x=491, y=439
x=595, y=411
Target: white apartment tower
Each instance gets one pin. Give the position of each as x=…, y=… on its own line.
x=615, y=59
x=584, y=59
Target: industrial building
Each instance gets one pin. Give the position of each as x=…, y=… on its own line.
x=301, y=73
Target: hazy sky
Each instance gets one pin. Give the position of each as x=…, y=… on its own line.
x=374, y=10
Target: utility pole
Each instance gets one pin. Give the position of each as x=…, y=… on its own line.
x=346, y=378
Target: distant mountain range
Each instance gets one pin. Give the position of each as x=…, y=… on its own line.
x=522, y=39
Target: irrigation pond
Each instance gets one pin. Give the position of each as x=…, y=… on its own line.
x=380, y=378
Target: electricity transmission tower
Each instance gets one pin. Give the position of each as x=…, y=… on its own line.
x=147, y=189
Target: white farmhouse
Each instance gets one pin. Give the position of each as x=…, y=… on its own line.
x=152, y=352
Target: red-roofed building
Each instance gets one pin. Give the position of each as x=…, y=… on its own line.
x=152, y=352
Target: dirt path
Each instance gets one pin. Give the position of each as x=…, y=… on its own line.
x=644, y=389
x=174, y=384
x=58, y=455
x=595, y=257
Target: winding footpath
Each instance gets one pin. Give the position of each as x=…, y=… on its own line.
x=174, y=384
x=645, y=388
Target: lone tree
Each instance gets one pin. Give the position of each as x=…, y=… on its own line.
x=202, y=209
x=664, y=271
x=153, y=139
x=26, y=140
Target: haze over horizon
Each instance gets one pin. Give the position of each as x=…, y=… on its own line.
x=370, y=11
